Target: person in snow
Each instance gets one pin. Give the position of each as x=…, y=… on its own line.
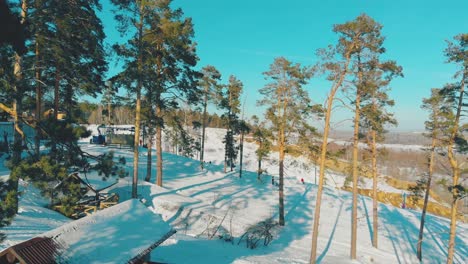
x=302, y=180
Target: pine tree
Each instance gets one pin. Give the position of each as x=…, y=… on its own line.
x=66, y=53
x=132, y=13
x=261, y=136
x=209, y=84
x=367, y=50
x=335, y=63
x=457, y=53
x=437, y=123
x=173, y=63
x=243, y=128
x=230, y=102
x=338, y=62
x=78, y=26
x=18, y=89
x=39, y=43
x=287, y=109
x=375, y=117
x=149, y=125
x=180, y=138
x=164, y=55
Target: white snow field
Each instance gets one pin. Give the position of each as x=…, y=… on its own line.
x=207, y=204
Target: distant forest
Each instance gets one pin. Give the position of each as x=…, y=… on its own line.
x=93, y=113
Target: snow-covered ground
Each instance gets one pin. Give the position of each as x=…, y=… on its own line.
x=208, y=203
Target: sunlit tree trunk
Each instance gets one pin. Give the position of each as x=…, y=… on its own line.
x=202, y=151
x=38, y=115
x=323, y=157
x=136, y=143
x=241, y=148
x=281, y=177
x=426, y=198
x=456, y=171
x=357, y=117
x=159, y=158
x=375, y=205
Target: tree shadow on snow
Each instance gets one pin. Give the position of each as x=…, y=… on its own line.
x=403, y=234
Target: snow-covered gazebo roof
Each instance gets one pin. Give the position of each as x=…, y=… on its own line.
x=124, y=233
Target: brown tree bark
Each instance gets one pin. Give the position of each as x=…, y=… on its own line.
x=159, y=158
x=202, y=151
x=456, y=171
x=426, y=198
x=38, y=115
x=281, y=177
x=17, y=108
x=56, y=92
x=357, y=117
x=136, y=143
x=241, y=153
x=259, y=170
x=355, y=178
x=149, y=156
x=323, y=157
x=375, y=205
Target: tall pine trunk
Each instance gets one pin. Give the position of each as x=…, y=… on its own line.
x=281, y=178
x=202, y=151
x=357, y=117
x=375, y=205
x=53, y=149
x=456, y=171
x=150, y=155
x=426, y=198
x=136, y=139
x=241, y=153
x=355, y=178
x=259, y=170
x=56, y=92
x=37, y=138
x=18, y=135
x=159, y=160
x=136, y=143
x=231, y=135
x=231, y=156
x=323, y=157
x=225, y=155
x=109, y=105
x=17, y=109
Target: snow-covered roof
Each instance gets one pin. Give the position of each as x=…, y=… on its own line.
x=122, y=233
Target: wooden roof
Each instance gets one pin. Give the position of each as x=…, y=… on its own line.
x=38, y=250
x=124, y=233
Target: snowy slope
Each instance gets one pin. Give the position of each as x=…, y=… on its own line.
x=197, y=202
x=32, y=219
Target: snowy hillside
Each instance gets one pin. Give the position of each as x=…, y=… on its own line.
x=207, y=204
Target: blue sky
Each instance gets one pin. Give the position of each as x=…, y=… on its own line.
x=243, y=37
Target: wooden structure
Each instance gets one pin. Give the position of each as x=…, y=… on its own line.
x=125, y=233
x=38, y=250
x=89, y=204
